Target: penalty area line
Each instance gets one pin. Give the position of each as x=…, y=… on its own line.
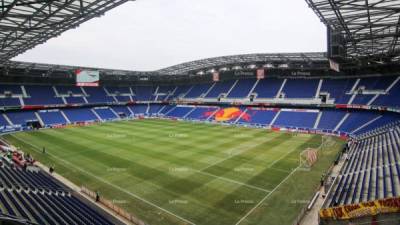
x=266, y=197
x=37, y=149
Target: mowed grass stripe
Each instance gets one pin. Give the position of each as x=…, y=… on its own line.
x=185, y=162
x=172, y=185
x=208, y=198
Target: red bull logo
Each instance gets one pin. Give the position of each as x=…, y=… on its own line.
x=229, y=114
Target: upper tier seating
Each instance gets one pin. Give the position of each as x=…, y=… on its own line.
x=143, y=93
x=376, y=83
x=198, y=90
x=300, y=88
x=97, y=95
x=390, y=99
x=242, y=88
x=181, y=91
x=337, y=89
x=69, y=90
x=13, y=89
x=268, y=88
x=41, y=95
x=10, y=102
x=219, y=88
x=164, y=92
x=75, y=100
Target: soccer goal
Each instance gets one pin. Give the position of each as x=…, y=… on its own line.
x=309, y=157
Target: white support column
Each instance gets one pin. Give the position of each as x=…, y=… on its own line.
x=319, y=88
x=184, y=95
x=209, y=89
x=252, y=89
x=39, y=118
x=24, y=91
x=83, y=91
x=97, y=115
x=170, y=110
x=162, y=108
x=64, y=100
x=373, y=99
x=65, y=116
x=240, y=117
x=148, y=108
x=366, y=124
x=7, y=119
x=130, y=110
x=392, y=85
x=55, y=91
x=212, y=115
x=341, y=121
x=318, y=119
x=275, y=118
x=115, y=113
x=187, y=114
x=21, y=100
x=280, y=89
x=233, y=86
x=351, y=99
x=355, y=85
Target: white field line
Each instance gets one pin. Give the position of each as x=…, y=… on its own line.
x=248, y=147
x=266, y=197
x=232, y=181
x=242, y=148
x=106, y=182
x=196, y=171
x=282, y=157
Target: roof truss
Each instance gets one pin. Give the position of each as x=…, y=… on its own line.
x=364, y=29
x=27, y=23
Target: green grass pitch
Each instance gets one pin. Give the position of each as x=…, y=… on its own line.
x=171, y=172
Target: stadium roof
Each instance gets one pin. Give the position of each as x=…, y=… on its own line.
x=25, y=24
x=315, y=60
x=361, y=29
x=295, y=59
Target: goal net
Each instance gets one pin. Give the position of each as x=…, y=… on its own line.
x=309, y=157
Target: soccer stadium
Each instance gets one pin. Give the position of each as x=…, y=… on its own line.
x=301, y=138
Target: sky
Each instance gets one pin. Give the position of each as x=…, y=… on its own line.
x=147, y=35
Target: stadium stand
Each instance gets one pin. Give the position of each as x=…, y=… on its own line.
x=38, y=198
x=371, y=170
x=52, y=117
x=242, y=89
x=220, y=88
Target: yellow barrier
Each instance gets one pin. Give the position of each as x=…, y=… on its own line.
x=389, y=205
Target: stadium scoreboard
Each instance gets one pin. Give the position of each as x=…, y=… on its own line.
x=87, y=78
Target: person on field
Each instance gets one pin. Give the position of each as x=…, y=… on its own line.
x=97, y=196
x=44, y=150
